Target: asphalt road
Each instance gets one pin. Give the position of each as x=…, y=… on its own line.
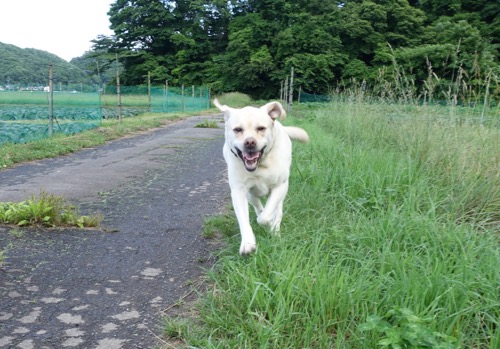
x=72, y=288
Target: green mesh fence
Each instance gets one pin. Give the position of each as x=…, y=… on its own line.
x=136, y=100
x=305, y=97
x=24, y=115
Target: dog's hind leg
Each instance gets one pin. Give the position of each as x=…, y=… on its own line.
x=256, y=203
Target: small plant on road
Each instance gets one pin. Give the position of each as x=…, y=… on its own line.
x=47, y=210
x=207, y=124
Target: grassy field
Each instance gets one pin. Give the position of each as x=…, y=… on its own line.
x=389, y=240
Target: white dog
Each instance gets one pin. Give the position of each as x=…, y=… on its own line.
x=258, y=153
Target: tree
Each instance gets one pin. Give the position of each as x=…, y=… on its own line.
x=250, y=45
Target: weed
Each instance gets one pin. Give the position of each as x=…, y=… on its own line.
x=46, y=209
x=16, y=233
x=207, y=124
x=400, y=328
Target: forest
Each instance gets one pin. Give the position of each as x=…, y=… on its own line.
x=250, y=46
x=29, y=67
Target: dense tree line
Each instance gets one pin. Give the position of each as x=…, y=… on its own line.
x=250, y=45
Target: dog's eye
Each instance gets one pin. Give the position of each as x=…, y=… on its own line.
x=238, y=130
x=261, y=128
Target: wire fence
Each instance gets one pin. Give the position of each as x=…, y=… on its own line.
x=31, y=114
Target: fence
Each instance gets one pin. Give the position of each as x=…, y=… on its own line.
x=30, y=114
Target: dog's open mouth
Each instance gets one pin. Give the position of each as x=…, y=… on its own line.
x=250, y=159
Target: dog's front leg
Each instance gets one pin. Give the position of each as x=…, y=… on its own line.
x=240, y=204
x=273, y=212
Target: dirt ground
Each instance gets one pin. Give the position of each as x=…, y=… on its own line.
x=108, y=288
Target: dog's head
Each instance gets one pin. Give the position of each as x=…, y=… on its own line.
x=250, y=131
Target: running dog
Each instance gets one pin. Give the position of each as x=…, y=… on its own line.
x=258, y=153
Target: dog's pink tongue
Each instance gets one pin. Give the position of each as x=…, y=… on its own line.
x=251, y=157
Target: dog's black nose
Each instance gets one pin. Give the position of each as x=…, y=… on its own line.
x=250, y=143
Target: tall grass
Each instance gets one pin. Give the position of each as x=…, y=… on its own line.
x=392, y=214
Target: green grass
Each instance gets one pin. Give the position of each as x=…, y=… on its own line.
x=389, y=239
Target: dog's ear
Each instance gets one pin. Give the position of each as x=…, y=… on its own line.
x=275, y=110
x=223, y=108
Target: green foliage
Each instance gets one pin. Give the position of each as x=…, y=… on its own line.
x=235, y=99
x=30, y=67
x=48, y=210
x=400, y=328
x=250, y=46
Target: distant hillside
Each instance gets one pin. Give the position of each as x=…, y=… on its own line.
x=30, y=67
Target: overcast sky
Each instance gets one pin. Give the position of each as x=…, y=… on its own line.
x=61, y=27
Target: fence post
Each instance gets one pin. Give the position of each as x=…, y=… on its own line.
x=149, y=91
x=118, y=94
x=285, y=89
x=182, y=98
x=166, y=96
x=118, y=90
x=290, y=98
x=51, y=100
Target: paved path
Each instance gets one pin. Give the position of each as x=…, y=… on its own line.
x=70, y=288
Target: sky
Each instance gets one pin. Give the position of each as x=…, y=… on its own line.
x=61, y=27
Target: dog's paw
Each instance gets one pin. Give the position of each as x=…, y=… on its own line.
x=264, y=220
x=247, y=248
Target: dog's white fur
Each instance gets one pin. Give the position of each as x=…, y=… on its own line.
x=258, y=153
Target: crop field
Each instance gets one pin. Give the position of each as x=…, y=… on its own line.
x=24, y=116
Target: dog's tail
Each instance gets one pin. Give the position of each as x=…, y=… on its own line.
x=218, y=105
x=297, y=134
